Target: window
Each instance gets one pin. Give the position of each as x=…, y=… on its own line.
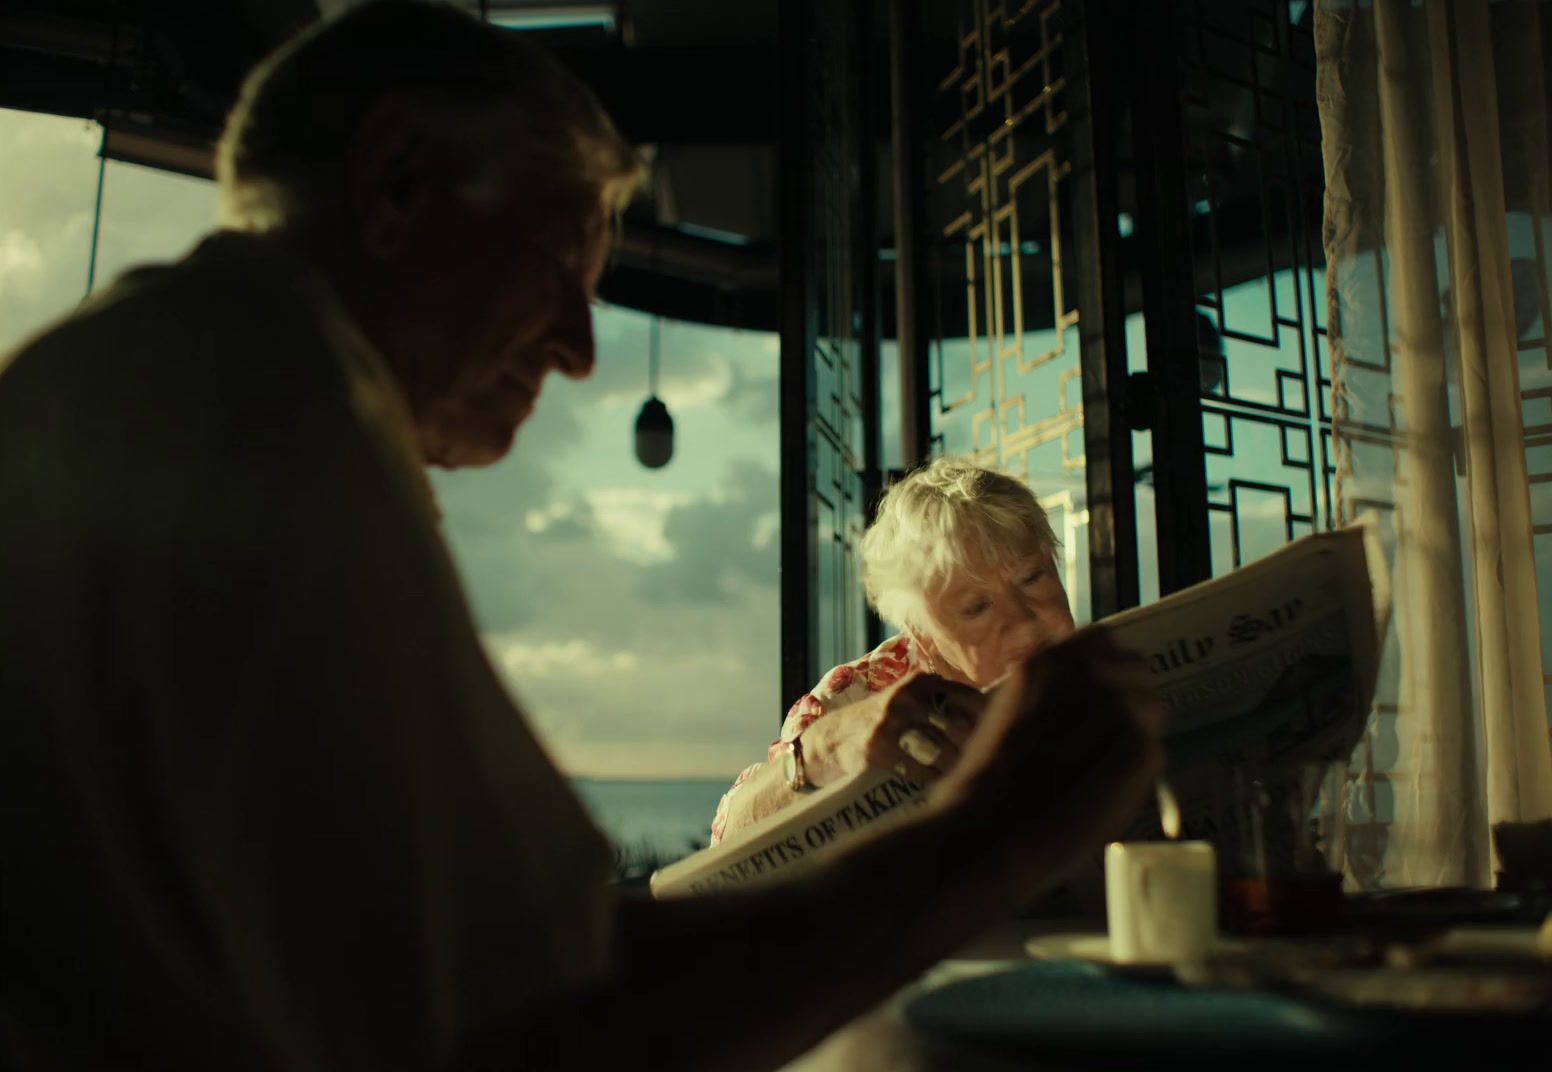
x=47, y=192
x=149, y=216
x=635, y=612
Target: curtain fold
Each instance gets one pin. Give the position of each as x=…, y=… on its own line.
x=1434, y=121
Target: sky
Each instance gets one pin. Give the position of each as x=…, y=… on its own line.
x=634, y=612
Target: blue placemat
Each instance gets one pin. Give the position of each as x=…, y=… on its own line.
x=1087, y=1015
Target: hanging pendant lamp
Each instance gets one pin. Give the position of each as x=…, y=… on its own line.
x=654, y=427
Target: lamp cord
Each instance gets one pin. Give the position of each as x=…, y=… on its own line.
x=652, y=355
x=102, y=150
x=102, y=172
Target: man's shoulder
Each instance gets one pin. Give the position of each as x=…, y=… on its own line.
x=231, y=293
x=178, y=374
x=228, y=327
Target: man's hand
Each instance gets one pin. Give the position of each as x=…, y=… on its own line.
x=935, y=717
x=1063, y=757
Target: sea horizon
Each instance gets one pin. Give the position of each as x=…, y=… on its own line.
x=664, y=818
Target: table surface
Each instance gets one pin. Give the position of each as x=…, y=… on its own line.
x=883, y=1041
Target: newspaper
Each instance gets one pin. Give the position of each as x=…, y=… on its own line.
x=1265, y=670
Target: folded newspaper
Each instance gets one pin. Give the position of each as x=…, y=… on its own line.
x=1267, y=668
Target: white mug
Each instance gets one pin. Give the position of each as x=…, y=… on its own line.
x=1161, y=899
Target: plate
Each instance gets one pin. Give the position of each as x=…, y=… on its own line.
x=1075, y=1012
x=1079, y=1012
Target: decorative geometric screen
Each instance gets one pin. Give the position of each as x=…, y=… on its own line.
x=1005, y=378
x=838, y=425
x=1530, y=239
x=1255, y=181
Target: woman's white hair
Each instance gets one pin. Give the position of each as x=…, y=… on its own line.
x=947, y=520
x=493, y=104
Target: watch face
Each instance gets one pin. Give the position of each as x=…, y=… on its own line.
x=789, y=764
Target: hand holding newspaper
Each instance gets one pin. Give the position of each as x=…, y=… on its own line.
x=1267, y=668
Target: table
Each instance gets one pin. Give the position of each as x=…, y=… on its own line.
x=883, y=1041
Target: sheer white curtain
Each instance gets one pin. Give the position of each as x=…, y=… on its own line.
x=1437, y=229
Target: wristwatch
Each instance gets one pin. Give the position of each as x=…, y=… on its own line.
x=796, y=770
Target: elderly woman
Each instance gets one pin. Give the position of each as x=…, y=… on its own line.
x=963, y=558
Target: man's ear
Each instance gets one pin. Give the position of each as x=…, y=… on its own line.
x=390, y=173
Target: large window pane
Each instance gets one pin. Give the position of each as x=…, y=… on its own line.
x=48, y=188
x=150, y=216
x=636, y=612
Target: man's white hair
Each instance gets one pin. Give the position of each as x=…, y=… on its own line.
x=948, y=520
x=493, y=104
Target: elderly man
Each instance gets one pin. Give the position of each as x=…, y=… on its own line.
x=263, y=801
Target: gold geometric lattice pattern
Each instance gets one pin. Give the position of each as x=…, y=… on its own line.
x=1004, y=390
x=1008, y=383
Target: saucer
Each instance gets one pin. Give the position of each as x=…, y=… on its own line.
x=1091, y=947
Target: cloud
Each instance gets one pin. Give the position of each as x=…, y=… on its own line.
x=568, y=658
x=45, y=226
x=767, y=528
x=496, y=519
x=692, y=382
x=691, y=389
x=700, y=696
x=755, y=394
x=21, y=265
x=632, y=522
x=701, y=367
x=717, y=542
x=646, y=638
x=567, y=521
x=484, y=520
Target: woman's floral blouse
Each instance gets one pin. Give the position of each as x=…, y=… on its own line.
x=846, y=684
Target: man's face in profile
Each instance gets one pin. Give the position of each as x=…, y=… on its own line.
x=489, y=286
x=518, y=275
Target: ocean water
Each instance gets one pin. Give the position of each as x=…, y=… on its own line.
x=664, y=818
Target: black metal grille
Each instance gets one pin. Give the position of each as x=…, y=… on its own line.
x=1255, y=185
x=1007, y=376
x=830, y=378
